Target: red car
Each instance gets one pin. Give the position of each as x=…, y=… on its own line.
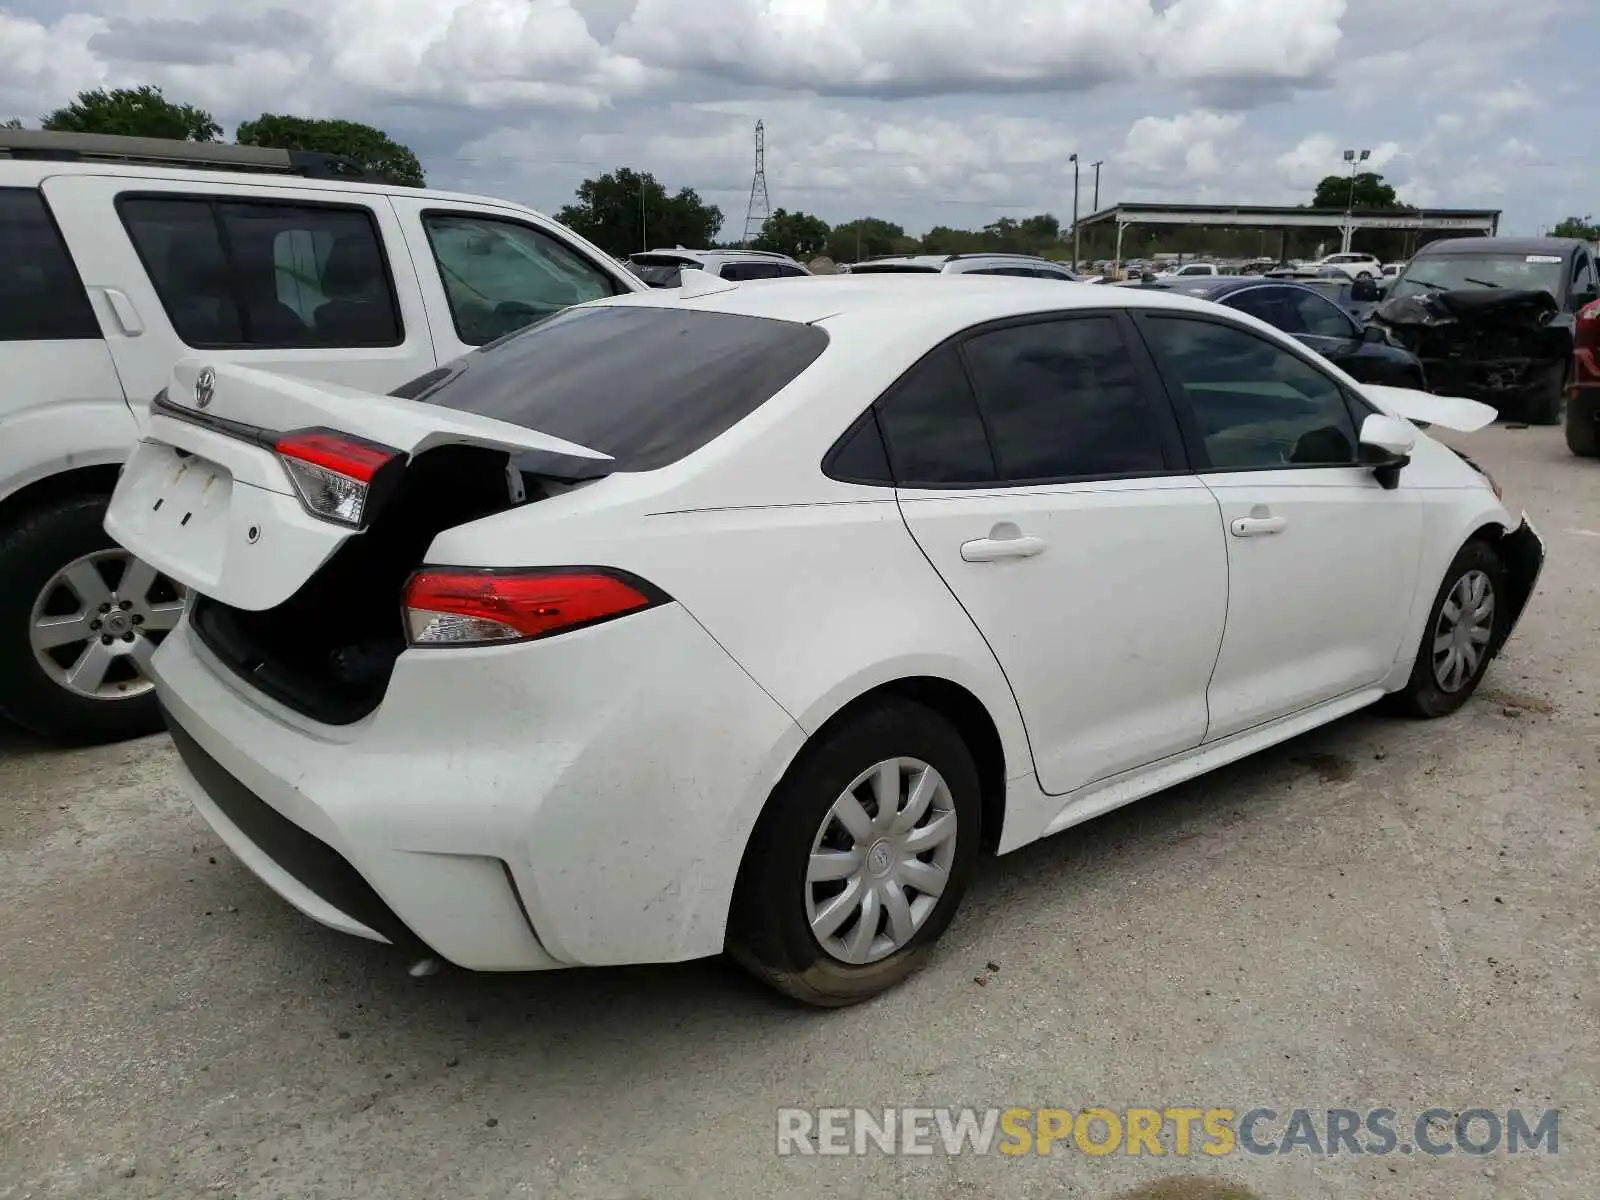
x=1583, y=389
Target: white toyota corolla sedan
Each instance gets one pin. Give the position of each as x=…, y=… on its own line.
x=747, y=617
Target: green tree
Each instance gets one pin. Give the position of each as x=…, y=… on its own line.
x=135, y=112
x=797, y=234
x=942, y=239
x=1366, y=191
x=623, y=209
x=373, y=149
x=11, y=123
x=868, y=237
x=1582, y=228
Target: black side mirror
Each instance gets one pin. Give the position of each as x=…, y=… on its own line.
x=1587, y=296
x=1374, y=335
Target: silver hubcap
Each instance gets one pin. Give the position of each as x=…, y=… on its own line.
x=1466, y=623
x=880, y=860
x=98, y=621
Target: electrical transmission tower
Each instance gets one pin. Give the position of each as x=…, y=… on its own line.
x=760, y=208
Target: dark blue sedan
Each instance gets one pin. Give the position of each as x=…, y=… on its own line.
x=1306, y=312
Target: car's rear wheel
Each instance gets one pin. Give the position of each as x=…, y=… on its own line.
x=79, y=620
x=1583, y=425
x=861, y=857
x=1465, y=627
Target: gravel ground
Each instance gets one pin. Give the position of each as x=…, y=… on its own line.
x=1381, y=913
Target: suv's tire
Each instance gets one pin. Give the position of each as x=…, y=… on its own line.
x=34, y=551
x=1436, y=688
x=770, y=927
x=1544, y=407
x=1583, y=425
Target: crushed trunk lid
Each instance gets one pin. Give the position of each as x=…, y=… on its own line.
x=206, y=499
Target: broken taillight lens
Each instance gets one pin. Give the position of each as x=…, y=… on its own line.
x=463, y=606
x=333, y=473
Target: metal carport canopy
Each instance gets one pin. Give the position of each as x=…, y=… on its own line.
x=1463, y=220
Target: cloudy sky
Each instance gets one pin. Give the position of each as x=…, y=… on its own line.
x=921, y=111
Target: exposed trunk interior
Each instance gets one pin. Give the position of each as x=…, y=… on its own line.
x=329, y=650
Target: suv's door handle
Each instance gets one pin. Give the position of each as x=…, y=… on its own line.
x=1257, y=526
x=991, y=548
x=122, y=308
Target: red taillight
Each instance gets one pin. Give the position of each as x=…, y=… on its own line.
x=460, y=606
x=333, y=472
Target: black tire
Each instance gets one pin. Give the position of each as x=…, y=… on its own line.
x=1423, y=695
x=1583, y=425
x=1545, y=406
x=768, y=930
x=32, y=550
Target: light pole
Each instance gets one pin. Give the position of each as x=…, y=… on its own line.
x=1351, y=157
x=1074, y=160
x=1097, y=166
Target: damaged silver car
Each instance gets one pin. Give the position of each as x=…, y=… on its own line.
x=1492, y=319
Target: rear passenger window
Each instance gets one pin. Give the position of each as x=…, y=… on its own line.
x=1063, y=399
x=738, y=272
x=41, y=297
x=930, y=420
x=246, y=275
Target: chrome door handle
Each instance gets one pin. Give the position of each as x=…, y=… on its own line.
x=991, y=549
x=1257, y=526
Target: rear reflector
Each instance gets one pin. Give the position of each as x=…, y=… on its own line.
x=333, y=472
x=461, y=606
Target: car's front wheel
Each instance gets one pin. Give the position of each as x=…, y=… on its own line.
x=861, y=857
x=1545, y=406
x=1465, y=627
x=1583, y=425
x=79, y=620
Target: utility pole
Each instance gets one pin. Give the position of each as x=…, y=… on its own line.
x=1075, y=242
x=1097, y=167
x=644, y=240
x=1350, y=201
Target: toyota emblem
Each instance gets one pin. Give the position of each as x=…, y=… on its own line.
x=205, y=387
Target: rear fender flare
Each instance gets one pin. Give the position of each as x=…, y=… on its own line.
x=41, y=443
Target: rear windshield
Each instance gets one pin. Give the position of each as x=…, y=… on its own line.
x=645, y=385
x=659, y=273
x=892, y=269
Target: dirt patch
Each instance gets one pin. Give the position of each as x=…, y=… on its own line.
x=1188, y=1187
x=1526, y=701
x=1330, y=768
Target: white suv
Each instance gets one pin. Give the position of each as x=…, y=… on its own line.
x=110, y=271
x=1356, y=266
x=664, y=268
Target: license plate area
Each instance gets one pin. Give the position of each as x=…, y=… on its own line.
x=172, y=509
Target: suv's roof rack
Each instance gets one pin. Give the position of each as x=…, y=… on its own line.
x=50, y=146
x=997, y=254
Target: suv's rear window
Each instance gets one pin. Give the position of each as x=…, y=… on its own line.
x=644, y=385
x=658, y=274
x=41, y=298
